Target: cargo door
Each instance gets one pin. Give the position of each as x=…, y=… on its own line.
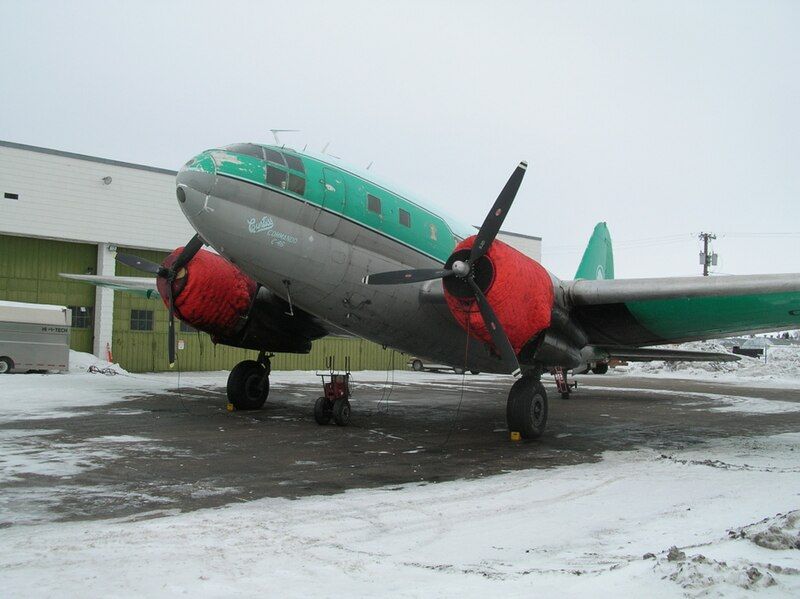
x=333, y=202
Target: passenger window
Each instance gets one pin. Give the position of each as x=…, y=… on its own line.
x=432, y=232
x=274, y=156
x=294, y=163
x=276, y=177
x=297, y=184
x=246, y=149
x=405, y=218
x=373, y=204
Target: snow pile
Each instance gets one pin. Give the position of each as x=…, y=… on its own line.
x=81, y=362
x=783, y=362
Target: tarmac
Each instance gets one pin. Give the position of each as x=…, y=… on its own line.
x=182, y=450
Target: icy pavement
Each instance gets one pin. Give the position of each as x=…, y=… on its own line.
x=120, y=485
x=718, y=520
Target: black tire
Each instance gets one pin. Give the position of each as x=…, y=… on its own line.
x=248, y=385
x=526, y=409
x=323, y=411
x=341, y=412
x=475, y=372
x=565, y=395
x=416, y=365
x=600, y=368
x=6, y=365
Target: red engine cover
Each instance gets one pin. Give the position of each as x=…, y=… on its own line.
x=520, y=293
x=211, y=294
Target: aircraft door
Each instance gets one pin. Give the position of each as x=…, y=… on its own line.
x=333, y=202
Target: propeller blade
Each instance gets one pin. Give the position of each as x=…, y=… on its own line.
x=138, y=263
x=499, y=336
x=397, y=277
x=494, y=220
x=191, y=248
x=171, y=339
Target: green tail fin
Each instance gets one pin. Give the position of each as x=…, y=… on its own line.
x=598, y=259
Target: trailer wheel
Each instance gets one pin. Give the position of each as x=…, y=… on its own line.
x=6, y=365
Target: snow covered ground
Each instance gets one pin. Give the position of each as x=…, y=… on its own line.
x=719, y=519
x=730, y=510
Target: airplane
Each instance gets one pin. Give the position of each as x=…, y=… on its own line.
x=306, y=246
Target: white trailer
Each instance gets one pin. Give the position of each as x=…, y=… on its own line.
x=34, y=337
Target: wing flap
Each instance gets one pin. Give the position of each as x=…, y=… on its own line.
x=646, y=354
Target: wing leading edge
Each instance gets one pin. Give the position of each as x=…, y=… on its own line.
x=634, y=312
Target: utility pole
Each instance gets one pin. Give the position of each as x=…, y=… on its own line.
x=707, y=259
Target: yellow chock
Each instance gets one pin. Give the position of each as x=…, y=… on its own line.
x=515, y=436
x=230, y=407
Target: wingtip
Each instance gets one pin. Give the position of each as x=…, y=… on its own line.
x=365, y=280
x=523, y=165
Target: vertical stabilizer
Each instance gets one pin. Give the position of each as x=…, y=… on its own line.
x=598, y=258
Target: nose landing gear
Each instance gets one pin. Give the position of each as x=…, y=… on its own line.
x=248, y=383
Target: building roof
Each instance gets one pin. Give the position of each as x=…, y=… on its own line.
x=141, y=167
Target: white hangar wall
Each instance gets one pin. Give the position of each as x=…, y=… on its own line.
x=63, y=196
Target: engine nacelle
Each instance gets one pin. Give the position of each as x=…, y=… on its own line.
x=517, y=287
x=214, y=296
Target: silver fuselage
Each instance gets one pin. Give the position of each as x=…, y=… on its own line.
x=318, y=259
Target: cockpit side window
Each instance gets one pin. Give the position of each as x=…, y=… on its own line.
x=274, y=156
x=246, y=149
x=297, y=184
x=276, y=177
x=294, y=163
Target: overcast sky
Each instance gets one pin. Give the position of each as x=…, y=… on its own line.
x=662, y=118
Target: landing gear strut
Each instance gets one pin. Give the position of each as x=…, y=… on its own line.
x=248, y=383
x=526, y=410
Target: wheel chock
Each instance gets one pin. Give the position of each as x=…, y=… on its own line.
x=230, y=407
x=515, y=436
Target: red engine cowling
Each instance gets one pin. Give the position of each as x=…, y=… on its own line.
x=211, y=294
x=517, y=287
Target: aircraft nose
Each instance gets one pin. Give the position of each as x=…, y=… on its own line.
x=197, y=176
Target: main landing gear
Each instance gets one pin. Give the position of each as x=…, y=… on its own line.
x=526, y=410
x=248, y=383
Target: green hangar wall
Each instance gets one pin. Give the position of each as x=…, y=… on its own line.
x=29, y=270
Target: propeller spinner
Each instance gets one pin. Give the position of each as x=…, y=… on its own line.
x=463, y=268
x=170, y=273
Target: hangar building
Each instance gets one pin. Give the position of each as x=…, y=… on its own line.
x=66, y=212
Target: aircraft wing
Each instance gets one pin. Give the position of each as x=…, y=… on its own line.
x=635, y=312
x=137, y=285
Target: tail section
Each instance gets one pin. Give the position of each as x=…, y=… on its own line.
x=598, y=259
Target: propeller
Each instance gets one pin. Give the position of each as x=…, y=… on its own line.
x=170, y=273
x=464, y=269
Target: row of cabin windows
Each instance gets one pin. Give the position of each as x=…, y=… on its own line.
x=276, y=175
x=403, y=216
x=279, y=177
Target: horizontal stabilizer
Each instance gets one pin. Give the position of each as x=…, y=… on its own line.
x=647, y=354
x=138, y=285
x=616, y=291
